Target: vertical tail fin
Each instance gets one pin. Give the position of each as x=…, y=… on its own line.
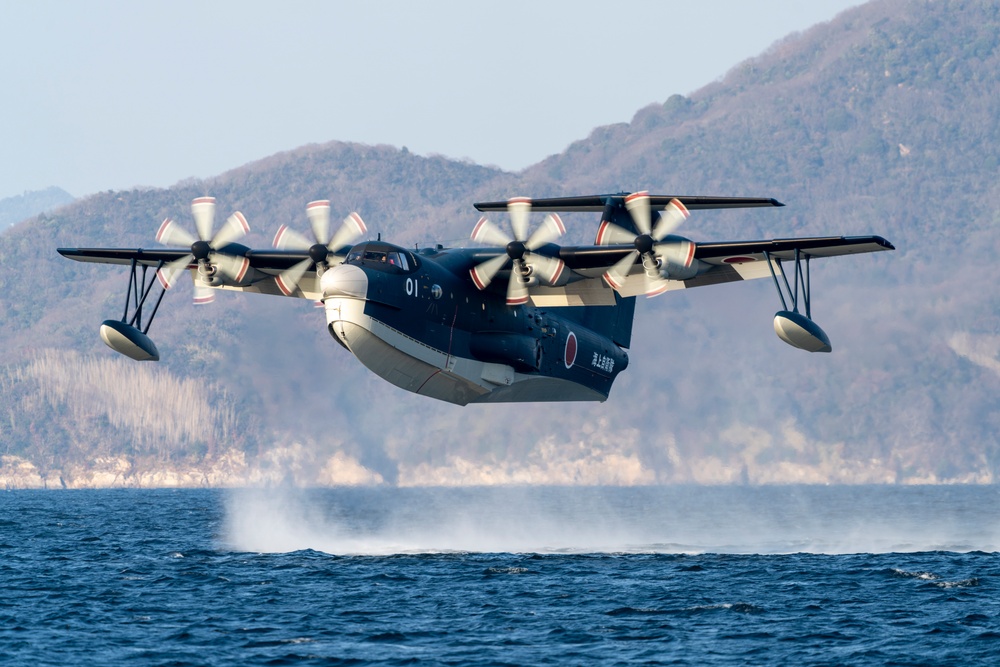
x=615, y=321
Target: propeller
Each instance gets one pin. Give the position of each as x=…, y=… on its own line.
x=659, y=252
x=322, y=249
x=205, y=249
x=528, y=266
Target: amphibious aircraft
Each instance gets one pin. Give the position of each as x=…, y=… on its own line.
x=518, y=318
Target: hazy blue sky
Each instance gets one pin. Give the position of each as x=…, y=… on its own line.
x=103, y=95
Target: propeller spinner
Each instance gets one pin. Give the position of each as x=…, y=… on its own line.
x=528, y=266
x=660, y=253
x=205, y=249
x=322, y=250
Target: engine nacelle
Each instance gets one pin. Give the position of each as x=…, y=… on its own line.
x=676, y=257
x=126, y=339
x=799, y=331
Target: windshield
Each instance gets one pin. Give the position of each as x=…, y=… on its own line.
x=381, y=258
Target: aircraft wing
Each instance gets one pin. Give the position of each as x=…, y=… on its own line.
x=820, y=246
x=717, y=262
x=725, y=262
x=746, y=260
x=142, y=256
x=267, y=261
x=263, y=265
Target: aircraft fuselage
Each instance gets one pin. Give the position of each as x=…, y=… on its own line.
x=414, y=321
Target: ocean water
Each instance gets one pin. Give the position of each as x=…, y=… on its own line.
x=511, y=576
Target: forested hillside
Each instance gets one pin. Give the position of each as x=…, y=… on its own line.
x=881, y=121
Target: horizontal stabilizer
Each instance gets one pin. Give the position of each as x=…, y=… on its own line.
x=597, y=203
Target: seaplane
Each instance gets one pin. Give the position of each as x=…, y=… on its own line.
x=514, y=317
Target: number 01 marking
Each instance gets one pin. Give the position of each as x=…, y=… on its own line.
x=411, y=287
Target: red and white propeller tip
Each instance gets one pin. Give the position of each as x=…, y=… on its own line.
x=322, y=245
x=649, y=243
x=520, y=250
x=206, y=255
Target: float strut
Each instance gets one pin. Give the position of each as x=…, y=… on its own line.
x=136, y=294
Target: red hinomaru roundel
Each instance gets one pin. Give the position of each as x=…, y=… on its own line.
x=569, y=357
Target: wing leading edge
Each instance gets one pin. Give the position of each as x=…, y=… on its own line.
x=268, y=261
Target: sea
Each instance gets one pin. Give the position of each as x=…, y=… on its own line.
x=673, y=575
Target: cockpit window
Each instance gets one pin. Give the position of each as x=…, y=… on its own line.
x=387, y=258
x=398, y=259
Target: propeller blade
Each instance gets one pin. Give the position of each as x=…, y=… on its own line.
x=550, y=229
x=289, y=279
x=611, y=234
x=671, y=218
x=352, y=228
x=170, y=233
x=203, y=210
x=487, y=233
x=637, y=204
x=234, y=267
x=170, y=272
x=483, y=274
x=618, y=273
x=678, y=253
x=519, y=208
x=318, y=213
x=235, y=228
x=517, y=292
x=203, y=294
x=656, y=286
x=289, y=239
x=548, y=269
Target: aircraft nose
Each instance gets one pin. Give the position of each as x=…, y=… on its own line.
x=344, y=280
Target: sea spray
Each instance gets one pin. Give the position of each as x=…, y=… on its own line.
x=690, y=519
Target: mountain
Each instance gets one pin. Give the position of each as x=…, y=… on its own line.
x=880, y=121
x=27, y=205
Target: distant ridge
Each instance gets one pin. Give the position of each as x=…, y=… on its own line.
x=21, y=207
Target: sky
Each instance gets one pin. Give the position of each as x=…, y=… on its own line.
x=108, y=95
